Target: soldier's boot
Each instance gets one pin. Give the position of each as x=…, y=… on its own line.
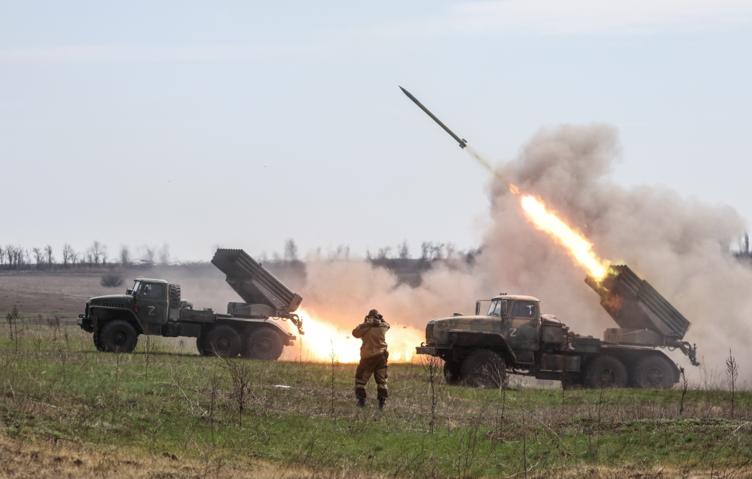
x=383, y=393
x=360, y=396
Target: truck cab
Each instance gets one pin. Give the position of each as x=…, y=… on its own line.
x=151, y=303
x=146, y=307
x=520, y=319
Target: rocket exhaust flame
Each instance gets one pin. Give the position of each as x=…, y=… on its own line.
x=324, y=341
x=576, y=244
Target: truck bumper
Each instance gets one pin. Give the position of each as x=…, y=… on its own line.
x=85, y=323
x=429, y=350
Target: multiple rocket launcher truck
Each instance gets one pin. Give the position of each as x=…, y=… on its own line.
x=514, y=337
x=480, y=350
x=154, y=307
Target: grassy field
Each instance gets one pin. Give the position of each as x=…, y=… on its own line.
x=67, y=410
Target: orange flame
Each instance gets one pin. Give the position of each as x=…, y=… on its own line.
x=575, y=242
x=323, y=341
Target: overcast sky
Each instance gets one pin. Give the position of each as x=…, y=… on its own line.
x=245, y=123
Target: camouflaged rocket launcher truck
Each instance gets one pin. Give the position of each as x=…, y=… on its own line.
x=154, y=307
x=514, y=337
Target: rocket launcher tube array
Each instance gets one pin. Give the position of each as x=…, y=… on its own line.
x=255, y=284
x=635, y=305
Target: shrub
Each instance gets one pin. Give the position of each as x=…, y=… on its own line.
x=111, y=280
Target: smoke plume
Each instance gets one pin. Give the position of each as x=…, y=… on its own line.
x=680, y=245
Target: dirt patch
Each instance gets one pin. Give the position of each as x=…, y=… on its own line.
x=55, y=458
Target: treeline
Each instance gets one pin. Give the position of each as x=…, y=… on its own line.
x=744, y=253
x=14, y=257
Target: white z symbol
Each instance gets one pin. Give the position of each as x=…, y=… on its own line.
x=151, y=310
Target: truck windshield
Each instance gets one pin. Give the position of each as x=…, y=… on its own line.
x=136, y=288
x=497, y=307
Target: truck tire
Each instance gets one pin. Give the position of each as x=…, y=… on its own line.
x=97, y=340
x=570, y=382
x=452, y=373
x=118, y=336
x=223, y=341
x=263, y=343
x=203, y=350
x=484, y=369
x=605, y=372
x=653, y=372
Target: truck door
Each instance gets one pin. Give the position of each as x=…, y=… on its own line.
x=152, y=306
x=524, y=317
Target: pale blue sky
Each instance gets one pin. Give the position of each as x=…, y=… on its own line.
x=245, y=123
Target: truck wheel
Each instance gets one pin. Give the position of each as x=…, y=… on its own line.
x=571, y=382
x=263, y=343
x=485, y=369
x=605, y=372
x=653, y=372
x=223, y=341
x=203, y=350
x=452, y=374
x=118, y=336
x=97, y=340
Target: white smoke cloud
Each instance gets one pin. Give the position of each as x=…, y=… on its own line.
x=679, y=245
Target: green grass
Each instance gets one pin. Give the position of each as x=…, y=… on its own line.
x=54, y=385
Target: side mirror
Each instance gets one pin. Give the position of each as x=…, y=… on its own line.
x=477, y=308
x=129, y=292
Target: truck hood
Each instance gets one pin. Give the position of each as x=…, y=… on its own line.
x=114, y=300
x=467, y=317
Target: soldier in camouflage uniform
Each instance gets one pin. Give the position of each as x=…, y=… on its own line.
x=373, y=357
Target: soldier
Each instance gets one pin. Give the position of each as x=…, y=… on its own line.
x=373, y=357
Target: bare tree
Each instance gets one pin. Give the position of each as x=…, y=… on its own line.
x=69, y=255
x=38, y=256
x=97, y=253
x=48, y=254
x=164, y=254
x=342, y=252
x=148, y=255
x=125, y=256
x=431, y=251
x=291, y=250
x=424, y=250
x=22, y=256
x=403, y=250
